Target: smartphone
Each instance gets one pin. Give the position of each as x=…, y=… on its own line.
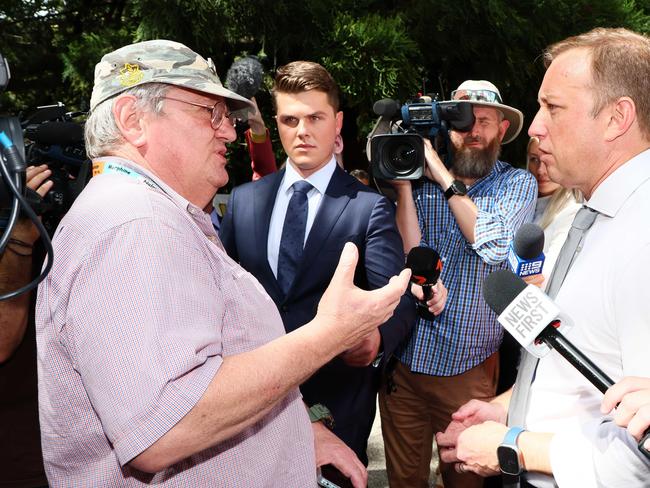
x=324, y=482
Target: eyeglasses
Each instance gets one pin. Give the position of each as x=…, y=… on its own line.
x=218, y=112
x=476, y=96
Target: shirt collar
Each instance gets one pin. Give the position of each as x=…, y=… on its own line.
x=178, y=200
x=319, y=180
x=611, y=194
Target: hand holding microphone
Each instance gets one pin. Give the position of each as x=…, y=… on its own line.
x=631, y=397
x=532, y=318
x=245, y=77
x=426, y=266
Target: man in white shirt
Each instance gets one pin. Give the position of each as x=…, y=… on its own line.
x=594, y=130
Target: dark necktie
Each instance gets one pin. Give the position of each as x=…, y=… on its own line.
x=293, y=235
x=572, y=246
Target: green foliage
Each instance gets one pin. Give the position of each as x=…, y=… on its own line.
x=373, y=48
x=372, y=58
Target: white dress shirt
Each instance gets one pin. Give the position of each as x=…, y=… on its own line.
x=319, y=180
x=606, y=295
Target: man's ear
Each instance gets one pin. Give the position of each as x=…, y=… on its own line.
x=503, y=127
x=621, y=118
x=129, y=120
x=339, y=122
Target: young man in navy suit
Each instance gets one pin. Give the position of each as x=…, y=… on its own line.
x=288, y=230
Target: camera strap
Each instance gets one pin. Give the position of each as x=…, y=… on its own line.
x=106, y=166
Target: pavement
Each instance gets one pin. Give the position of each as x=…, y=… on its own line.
x=377, y=460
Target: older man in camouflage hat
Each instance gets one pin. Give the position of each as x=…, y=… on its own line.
x=161, y=361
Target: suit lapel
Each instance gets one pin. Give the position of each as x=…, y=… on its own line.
x=335, y=199
x=263, y=201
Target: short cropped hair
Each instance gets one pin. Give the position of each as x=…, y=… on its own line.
x=620, y=67
x=101, y=133
x=300, y=76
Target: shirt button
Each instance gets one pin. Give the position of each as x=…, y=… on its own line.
x=213, y=239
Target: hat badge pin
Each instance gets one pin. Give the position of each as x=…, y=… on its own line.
x=130, y=75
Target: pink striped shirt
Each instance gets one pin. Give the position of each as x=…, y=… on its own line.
x=133, y=321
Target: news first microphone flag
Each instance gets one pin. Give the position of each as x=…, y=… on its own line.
x=528, y=314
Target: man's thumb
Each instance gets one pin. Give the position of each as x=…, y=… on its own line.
x=344, y=273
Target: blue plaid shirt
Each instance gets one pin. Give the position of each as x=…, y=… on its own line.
x=467, y=332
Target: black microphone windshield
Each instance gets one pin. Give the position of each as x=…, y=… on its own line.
x=244, y=76
x=501, y=288
x=425, y=265
x=386, y=108
x=529, y=241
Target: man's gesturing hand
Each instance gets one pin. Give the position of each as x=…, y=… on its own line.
x=352, y=313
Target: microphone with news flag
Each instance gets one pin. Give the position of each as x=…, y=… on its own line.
x=526, y=256
x=425, y=266
x=535, y=321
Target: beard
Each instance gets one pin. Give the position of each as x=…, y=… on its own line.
x=474, y=163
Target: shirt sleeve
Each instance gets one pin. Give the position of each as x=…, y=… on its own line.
x=140, y=331
x=262, y=157
x=599, y=454
x=384, y=258
x=513, y=204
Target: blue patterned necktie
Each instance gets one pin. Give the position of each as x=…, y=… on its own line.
x=293, y=235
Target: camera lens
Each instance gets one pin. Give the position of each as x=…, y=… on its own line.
x=402, y=158
x=397, y=156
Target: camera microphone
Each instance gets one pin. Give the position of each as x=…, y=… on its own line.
x=425, y=265
x=244, y=76
x=386, y=108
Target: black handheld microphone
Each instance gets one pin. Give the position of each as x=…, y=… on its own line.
x=526, y=256
x=244, y=76
x=523, y=310
x=426, y=266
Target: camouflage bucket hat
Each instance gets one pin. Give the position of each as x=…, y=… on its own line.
x=159, y=61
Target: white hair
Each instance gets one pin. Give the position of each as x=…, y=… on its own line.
x=101, y=133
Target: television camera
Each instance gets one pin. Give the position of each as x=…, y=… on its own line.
x=51, y=136
x=396, y=144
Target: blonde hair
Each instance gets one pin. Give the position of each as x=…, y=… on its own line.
x=560, y=198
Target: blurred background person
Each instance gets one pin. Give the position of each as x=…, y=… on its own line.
x=554, y=211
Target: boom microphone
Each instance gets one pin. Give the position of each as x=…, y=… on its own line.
x=426, y=266
x=244, y=76
x=526, y=256
x=531, y=317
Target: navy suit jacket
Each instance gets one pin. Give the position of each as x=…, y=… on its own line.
x=349, y=211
